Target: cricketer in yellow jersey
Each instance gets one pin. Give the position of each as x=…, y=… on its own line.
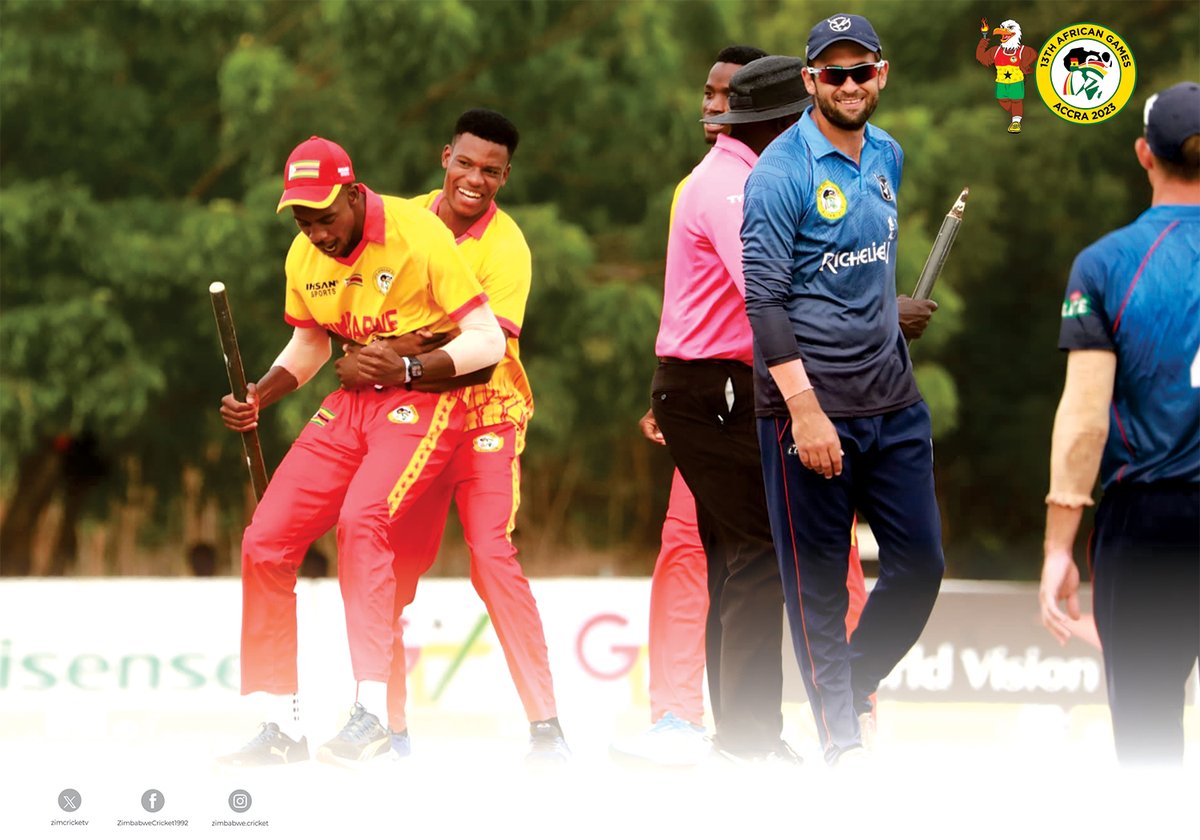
x=483, y=476
x=362, y=267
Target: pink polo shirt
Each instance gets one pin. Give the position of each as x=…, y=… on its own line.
x=704, y=310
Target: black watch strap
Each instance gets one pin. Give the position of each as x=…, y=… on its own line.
x=415, y=370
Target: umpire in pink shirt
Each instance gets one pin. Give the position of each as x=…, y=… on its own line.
x=703, y=402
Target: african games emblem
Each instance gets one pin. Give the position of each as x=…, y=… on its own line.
x=831, y=202
x=404, y=414
x=383, y=280
x=1085, y=73
x=490, y=442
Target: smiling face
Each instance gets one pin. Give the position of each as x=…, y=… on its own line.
x=476, y=169
x=334, y=230
x=849, y=105
x=716, y=98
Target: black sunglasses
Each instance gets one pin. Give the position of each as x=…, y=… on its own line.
x=836, y=76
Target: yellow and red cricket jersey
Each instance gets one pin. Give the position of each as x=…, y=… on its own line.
x=495, y=248
x=404, y=274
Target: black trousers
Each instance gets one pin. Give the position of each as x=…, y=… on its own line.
x=1146, y=597
x=705, y=410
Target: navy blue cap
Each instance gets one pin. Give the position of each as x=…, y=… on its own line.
x=1172, y=116
x=841, y=27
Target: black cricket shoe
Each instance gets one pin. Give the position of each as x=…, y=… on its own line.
x=780, y=754
x=784, y=754
x=547, y=744
x=269, y=747
x=362, y=738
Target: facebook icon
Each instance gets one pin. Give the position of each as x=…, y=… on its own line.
x=152, y=800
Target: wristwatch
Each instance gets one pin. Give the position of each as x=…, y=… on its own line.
x=413, y=370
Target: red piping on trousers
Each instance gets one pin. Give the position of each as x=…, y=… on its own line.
x=799, y=597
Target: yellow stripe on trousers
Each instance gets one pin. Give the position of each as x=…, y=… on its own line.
x=518, y=445
x=427, y=446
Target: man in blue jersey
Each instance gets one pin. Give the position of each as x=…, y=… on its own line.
x=1130, y=411
x=841, y=423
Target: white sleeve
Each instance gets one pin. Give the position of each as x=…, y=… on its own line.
x=479, y=344
x=305, y=353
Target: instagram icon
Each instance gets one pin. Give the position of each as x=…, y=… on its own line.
x=239, y=801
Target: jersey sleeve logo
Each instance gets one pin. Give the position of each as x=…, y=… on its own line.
x=383, y=280
x=405, y=415
x=1076, y=305
x=323, y=417
x=831, y=201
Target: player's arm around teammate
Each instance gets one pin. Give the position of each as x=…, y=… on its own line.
x=367, y=453
x=483, y=476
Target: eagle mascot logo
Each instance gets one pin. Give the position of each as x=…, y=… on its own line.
x=1013, y=62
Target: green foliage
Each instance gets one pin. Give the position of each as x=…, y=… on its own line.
x=940, y=392
x=70, y=360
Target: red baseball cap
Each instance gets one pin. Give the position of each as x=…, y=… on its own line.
x=315, y=171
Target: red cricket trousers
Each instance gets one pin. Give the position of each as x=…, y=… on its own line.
x=483, y=479
x=363, y=458
x=678, y=612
